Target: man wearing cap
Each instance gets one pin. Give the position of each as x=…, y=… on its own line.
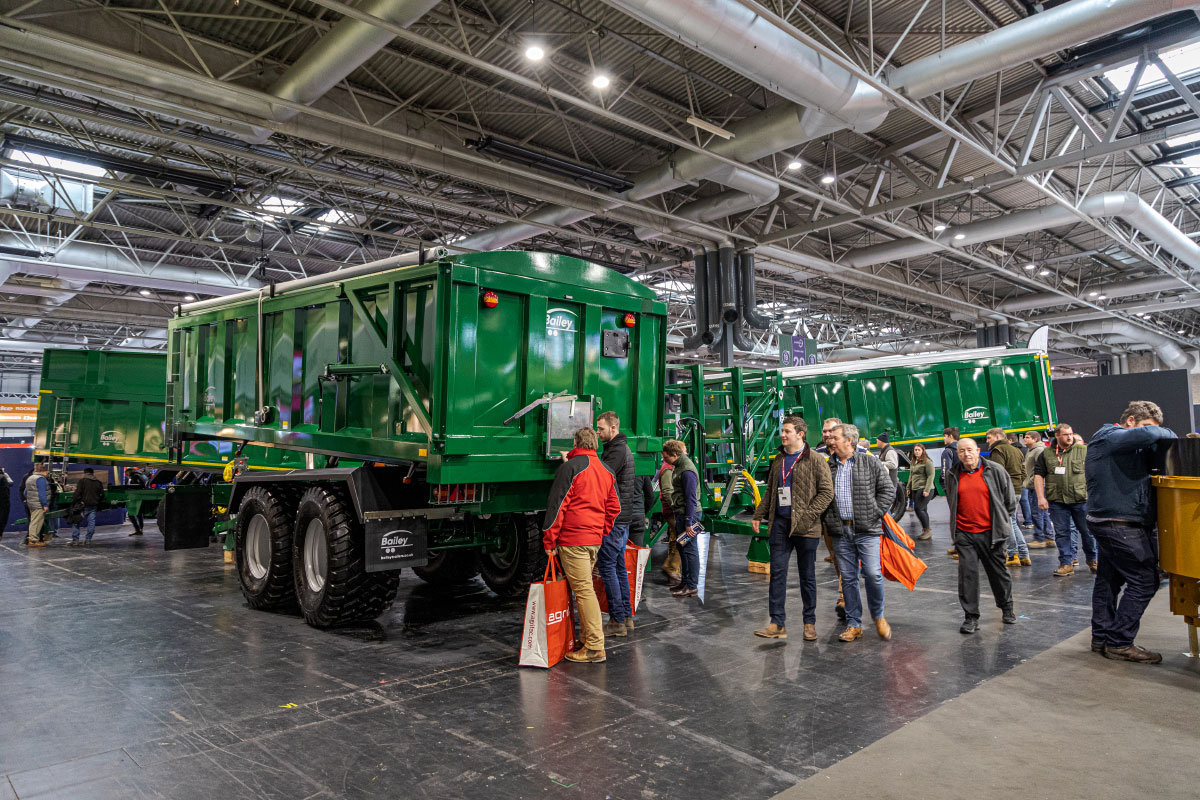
x=889, y=457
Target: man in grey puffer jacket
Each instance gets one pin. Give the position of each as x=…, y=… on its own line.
x=862, y=494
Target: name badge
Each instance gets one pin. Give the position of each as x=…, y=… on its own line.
x=785, y=495
x=1060, y=470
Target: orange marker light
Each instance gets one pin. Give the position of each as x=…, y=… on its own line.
x=630, y=320
x=490, y=300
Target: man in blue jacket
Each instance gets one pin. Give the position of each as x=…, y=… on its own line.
x=1121, y=515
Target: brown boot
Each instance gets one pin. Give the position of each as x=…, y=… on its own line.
x=229, y=557
x=1026, y=562
x=615, y=629
x=1063, y=571
x=772, y=631
x=586, y=656
x=925, y=536
x=810, y=633
x=850, y=634
x=953, y=551
x=840, y=608
x=883, y=629
x=1094, y=566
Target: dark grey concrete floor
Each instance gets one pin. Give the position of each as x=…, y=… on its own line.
x=127, y=672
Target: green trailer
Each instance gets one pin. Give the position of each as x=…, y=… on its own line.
x=731, y=416
x=458, y=382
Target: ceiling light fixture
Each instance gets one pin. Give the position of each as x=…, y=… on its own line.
x=1044, y=273
x=600, y=80
x=795, y=164
x=144, y=292
x=705, y=125
x=828, y=178
x=939, y=228
x=1102, y=297
x=958, y=237
x=534, y=53
x=1093, y=294
x=189, y=298
x=1030, y=267
x=322, y=229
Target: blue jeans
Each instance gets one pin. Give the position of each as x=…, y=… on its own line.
x=782, y=545
x=853, y=549
x=689, y=558
x=89, y=514
x=1028, y=504
x=611, y=563
x=1128, y=560
x=1043, y=531
x=1063, y=514
x=1016, y=541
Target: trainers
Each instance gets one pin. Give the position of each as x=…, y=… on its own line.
x=1027, y=527
x=1010, y=617
x=1026, y=562
x=1063, y=571
x=925, y=536
x=883, y=629
x=850, y=634
x=629, y=624
x=1094, y=566
x=586, y=656
x=1012, y=561
x=810, y=632
x=772, y=631
x=1133, y=653
x=970, y=625
x=615, y=629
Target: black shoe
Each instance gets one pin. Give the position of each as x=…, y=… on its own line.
x=1097, y=646
x=970, y=625
x=1133, y=653
x=1010, y=618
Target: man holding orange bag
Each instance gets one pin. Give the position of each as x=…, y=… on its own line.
x=581, y=509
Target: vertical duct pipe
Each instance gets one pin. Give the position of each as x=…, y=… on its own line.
x=749, y=293
x=700, y=290
x=729, y=297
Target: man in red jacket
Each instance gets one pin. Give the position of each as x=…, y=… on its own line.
x=581, y=509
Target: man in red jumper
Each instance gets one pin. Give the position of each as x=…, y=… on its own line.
x=581, y=509
x=982, y=504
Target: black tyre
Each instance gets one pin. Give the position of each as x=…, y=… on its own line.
x=332, y=584
x=900, y=503
x=449, y=567
x=263, y=544
x=509, y=571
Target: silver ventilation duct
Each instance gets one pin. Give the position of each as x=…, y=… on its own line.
x=1168, y=351
x=1126, y=206
x=1028, y=302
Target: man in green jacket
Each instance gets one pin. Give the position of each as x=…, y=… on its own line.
x=1061, y=486
x=799, y=489
x=1004, y=453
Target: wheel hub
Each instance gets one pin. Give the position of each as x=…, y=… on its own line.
x=316, y=556
x=258, y=547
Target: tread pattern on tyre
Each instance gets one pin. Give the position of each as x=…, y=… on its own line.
x=277, y=505
x=449, y=567
x=351, y=594
x=531, y=562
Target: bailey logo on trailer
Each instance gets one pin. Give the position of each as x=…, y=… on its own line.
x=112, y=439
x=560, y=321
x=975, y=414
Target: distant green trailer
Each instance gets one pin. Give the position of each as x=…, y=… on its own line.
x=458, y=381
x=732, y=416
x=107, y=408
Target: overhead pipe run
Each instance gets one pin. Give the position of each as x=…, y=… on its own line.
x=1126, y=206
x=1042, y=300
x=1168, y=351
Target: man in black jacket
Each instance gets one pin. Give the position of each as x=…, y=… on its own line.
x=611, y=560
x=89, y=494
